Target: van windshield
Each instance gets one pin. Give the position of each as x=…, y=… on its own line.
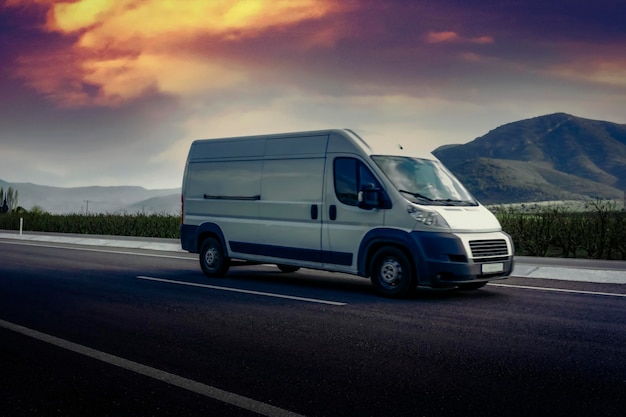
x=424, y=181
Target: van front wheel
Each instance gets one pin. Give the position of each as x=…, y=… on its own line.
x=392, y=273
x=212, y=259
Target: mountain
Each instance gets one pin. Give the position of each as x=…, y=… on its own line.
x=125, y=199
x=168, y=204
x=552, y=157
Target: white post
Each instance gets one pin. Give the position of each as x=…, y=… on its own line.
x=21, y=225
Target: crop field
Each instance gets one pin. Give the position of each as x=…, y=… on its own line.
x=596, y=230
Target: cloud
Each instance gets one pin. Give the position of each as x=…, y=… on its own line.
x=453, y=37
x=608, y=69
x=610, y=74
x=124, y=49
x=56, y=76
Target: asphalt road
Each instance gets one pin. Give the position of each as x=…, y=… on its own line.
x=126, y=332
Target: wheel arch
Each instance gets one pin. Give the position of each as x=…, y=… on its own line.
x=207, y=230
x=381, y=237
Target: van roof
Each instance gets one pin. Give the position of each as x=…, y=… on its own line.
x=371, y=144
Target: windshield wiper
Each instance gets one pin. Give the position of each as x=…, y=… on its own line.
x=418, y=195
x=444, y=201
x=452, y=202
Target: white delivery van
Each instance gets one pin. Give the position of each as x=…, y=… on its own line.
x=328, y=200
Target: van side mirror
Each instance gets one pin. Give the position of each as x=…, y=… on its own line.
x=369, y=197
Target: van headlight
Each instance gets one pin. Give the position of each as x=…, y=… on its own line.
x=427, y=217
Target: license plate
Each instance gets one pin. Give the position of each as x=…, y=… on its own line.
x=492, y=268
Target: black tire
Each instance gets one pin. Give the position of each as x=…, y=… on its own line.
x=392, y=274
x=213, y=261
x=287, y=268
x=472, y=286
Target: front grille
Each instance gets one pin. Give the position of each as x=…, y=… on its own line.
x=488, y=248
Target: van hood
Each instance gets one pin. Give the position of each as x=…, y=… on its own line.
x=468, y=219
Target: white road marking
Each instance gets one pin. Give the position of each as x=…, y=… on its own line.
x=114, y=252
x=172, y=379
x=264, y=294
x=311, y=300
x=528, y=287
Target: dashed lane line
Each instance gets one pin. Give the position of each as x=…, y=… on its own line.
x=227, y=397
x=238, y=290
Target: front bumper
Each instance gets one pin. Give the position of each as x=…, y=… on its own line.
x=449, y=259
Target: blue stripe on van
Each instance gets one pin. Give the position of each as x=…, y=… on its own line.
x=286, y=252
x=337, y=258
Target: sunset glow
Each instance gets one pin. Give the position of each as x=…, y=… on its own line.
x=129, y=47
x=114, y=91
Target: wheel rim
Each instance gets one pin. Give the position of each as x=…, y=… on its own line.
x=390, y=272
x=211, y=258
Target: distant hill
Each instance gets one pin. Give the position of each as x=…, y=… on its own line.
x=167, y=204
x=553, y=157
x=124, y=199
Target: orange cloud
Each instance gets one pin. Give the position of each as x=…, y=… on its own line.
x=109, y=22
x=56, y=76
x=23, y=3
x=440, y=37
x=453, y=37
x=125, y=48
x=608, y=71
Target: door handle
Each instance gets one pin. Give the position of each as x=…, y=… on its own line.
x=314, y=212
x=332, y=212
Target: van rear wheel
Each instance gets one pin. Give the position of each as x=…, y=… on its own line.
x=212, y=259
x=392, y=273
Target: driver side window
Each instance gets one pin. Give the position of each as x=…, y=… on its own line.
x=350, y=175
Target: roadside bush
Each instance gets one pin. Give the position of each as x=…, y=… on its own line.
x=599, y=232
x=141, y=225
x=616, y=235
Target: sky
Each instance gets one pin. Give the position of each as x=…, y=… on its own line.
x=113, y=92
